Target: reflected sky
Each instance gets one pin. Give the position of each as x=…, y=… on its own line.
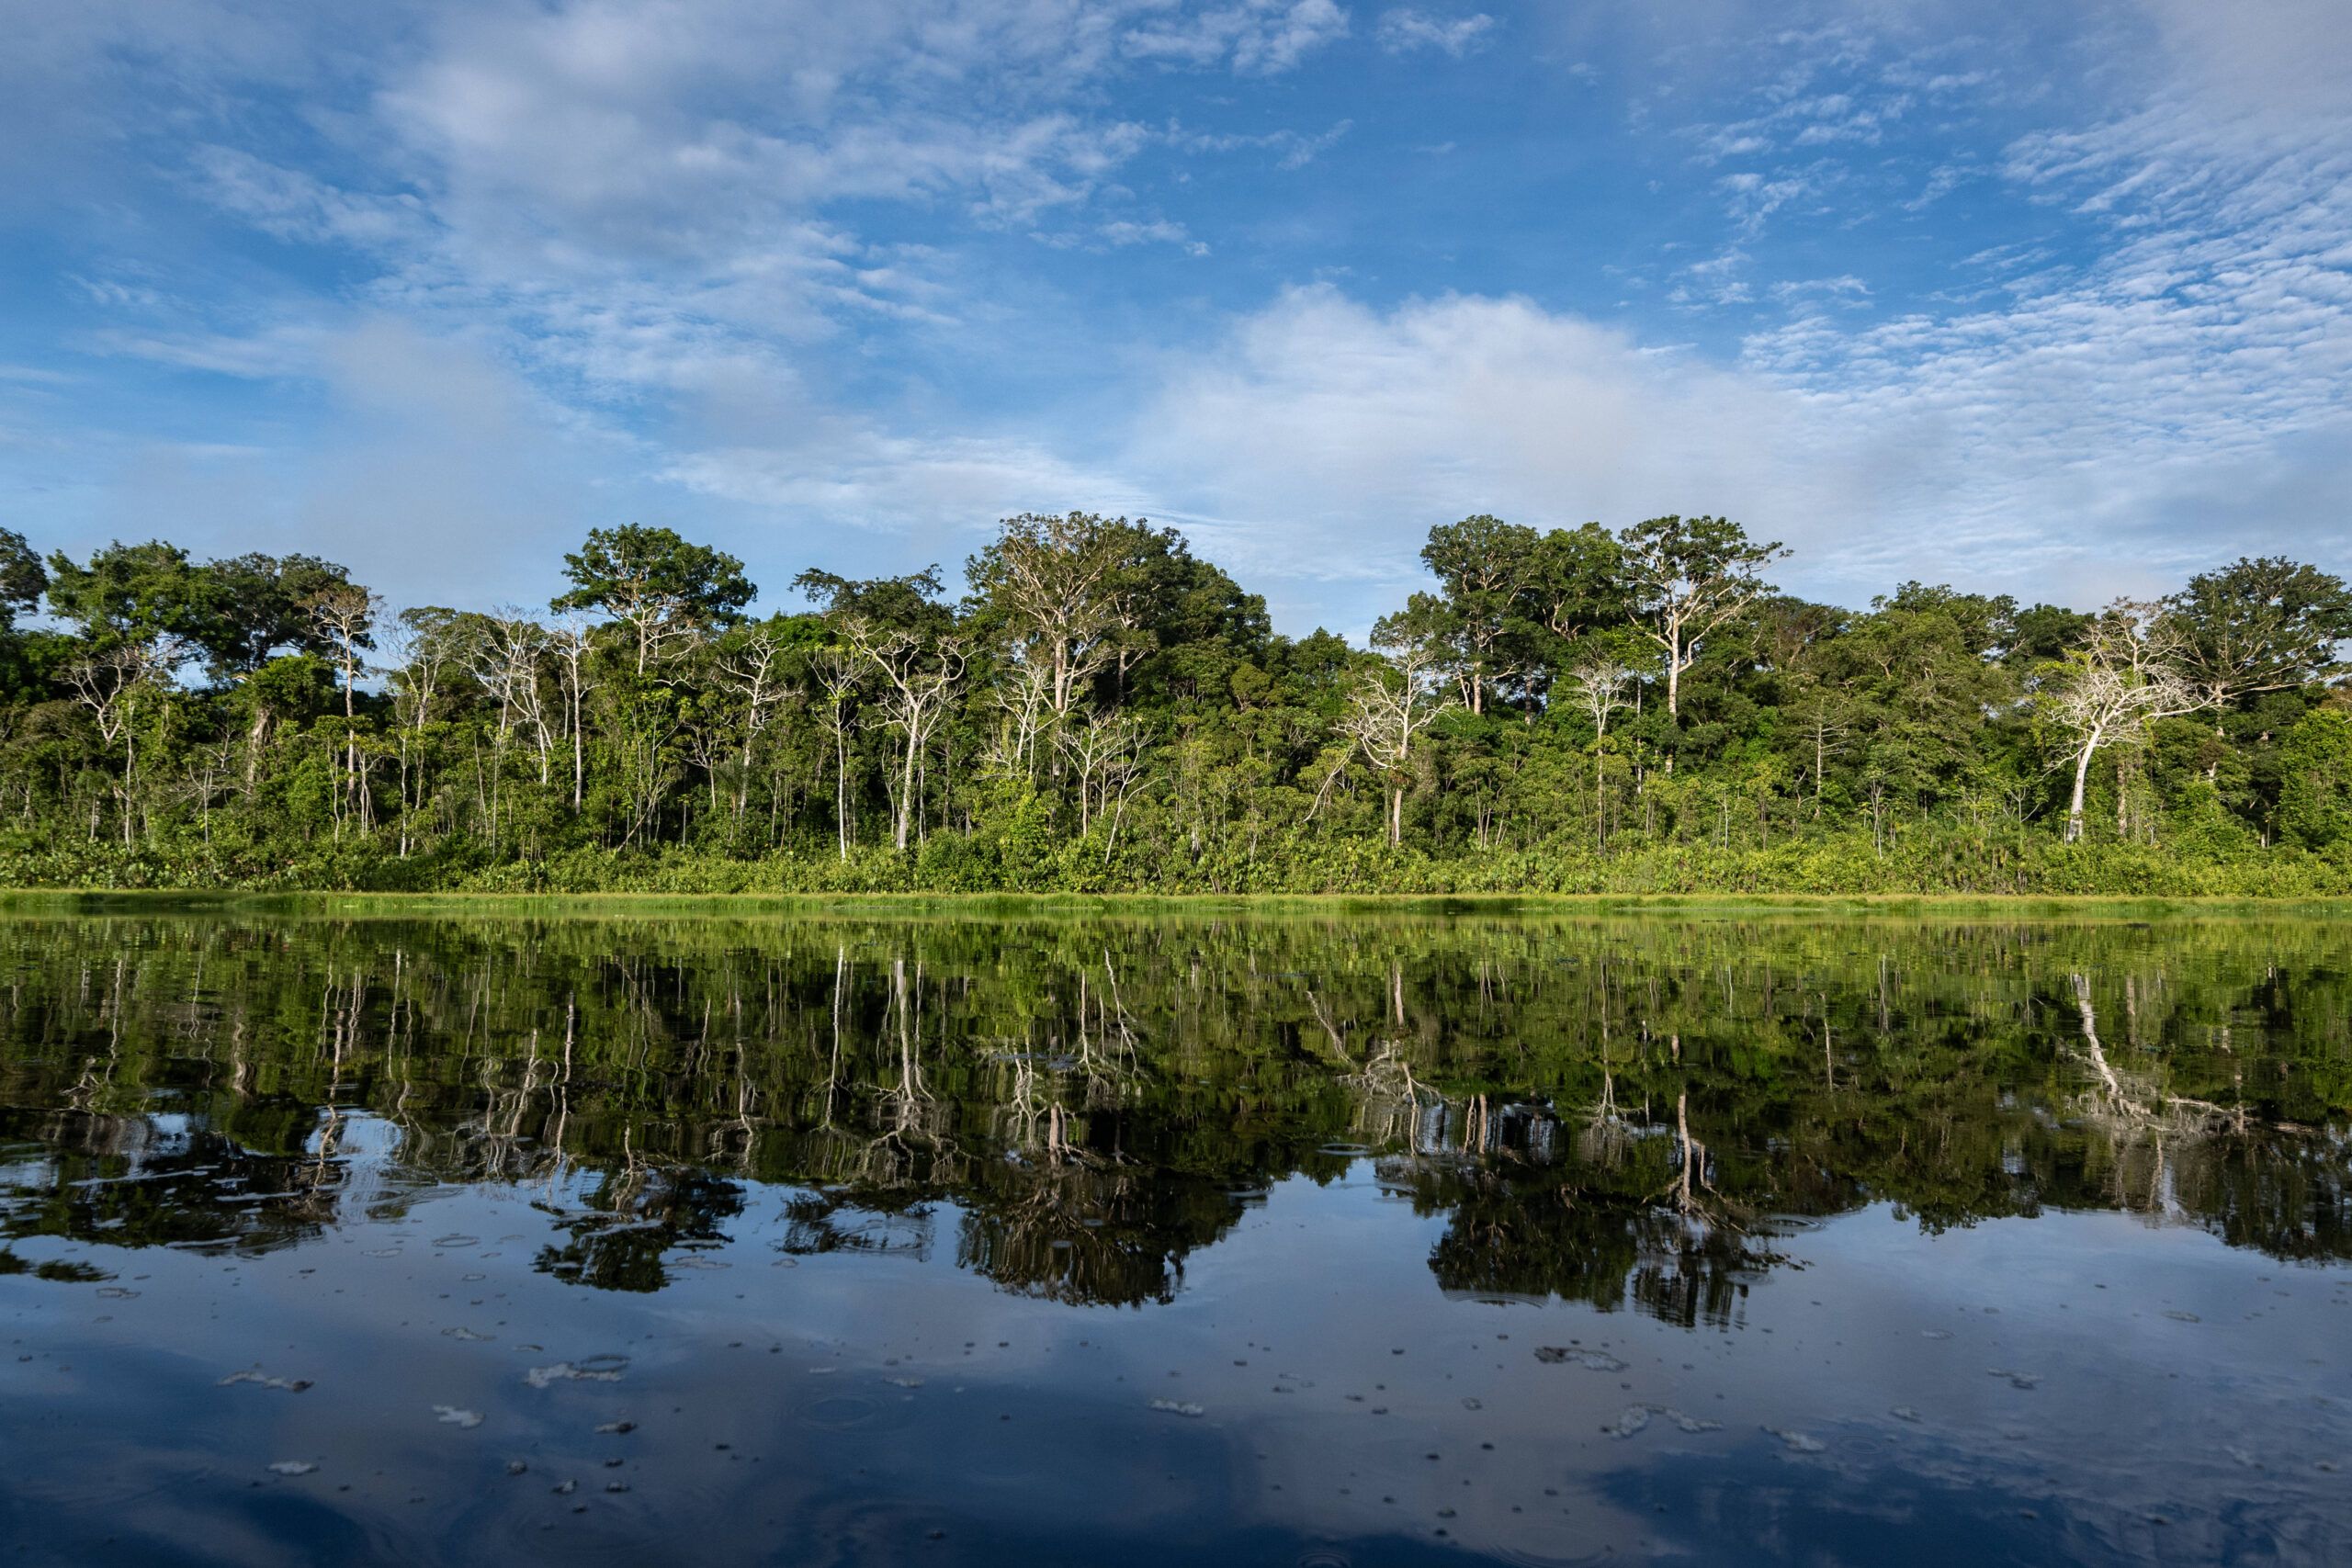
x=1398, y=1239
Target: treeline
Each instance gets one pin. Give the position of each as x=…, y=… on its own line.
x=1100, y=710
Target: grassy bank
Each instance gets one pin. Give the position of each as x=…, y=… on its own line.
x=1954, y=867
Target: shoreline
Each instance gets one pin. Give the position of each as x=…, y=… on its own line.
x=101, y=900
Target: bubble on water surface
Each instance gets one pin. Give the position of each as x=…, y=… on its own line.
x=451, y=1416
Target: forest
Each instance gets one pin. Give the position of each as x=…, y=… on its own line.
x=1099, y=710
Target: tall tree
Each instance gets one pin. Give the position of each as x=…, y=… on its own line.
x=662, y=589
x=2127, y=674
x=1484, y=564
x=263, y=608
x=2262, y=626
x=136, y=593
x=1057, y=592
x=1691, y=576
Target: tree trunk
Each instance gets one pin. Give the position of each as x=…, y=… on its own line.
x=2081, y=774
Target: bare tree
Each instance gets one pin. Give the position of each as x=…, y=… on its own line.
x=421, y=645
x=754, y=672
x=838, y=673
x=1057, y=583
x=1107, y=754
x=919, y=672
x=1389, y=705
x=344, y=615
x=568, y=640
x=1600, y=689
x=2126, y=676
x=111, y=685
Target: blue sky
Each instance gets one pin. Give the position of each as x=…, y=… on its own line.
x=2052, y=300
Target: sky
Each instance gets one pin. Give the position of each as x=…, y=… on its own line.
x=2052, y=300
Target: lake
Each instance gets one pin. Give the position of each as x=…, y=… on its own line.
x=1319, y=1236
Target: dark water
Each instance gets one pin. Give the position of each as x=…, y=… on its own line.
x=845, y=1237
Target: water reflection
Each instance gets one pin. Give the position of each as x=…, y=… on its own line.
x=1613, y=1112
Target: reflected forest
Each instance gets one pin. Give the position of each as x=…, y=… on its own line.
x=1096, y=708
x=1624, y=1112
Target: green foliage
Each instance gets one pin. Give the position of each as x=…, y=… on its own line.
x=2315, y=804
x=1569, y=712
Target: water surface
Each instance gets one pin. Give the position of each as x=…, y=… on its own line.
x=856, y=1237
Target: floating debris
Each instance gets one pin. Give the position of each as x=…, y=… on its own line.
x=1636, y=1418
x=1935, y=1333
x=696, y=1263
x=564, y=1488
x=293, y=1467
x=517, y=1467
x=381, y=1252
x=615, y=1485
x=467, y=1334
x=2016, y=1378
x=1796, y=1442
x=904, y=1382
x=1472, y=1404
x=291, y=1385
x=2177, y=1316
x=1904, y=1412
x=1176, y=1407
x=451, y=1416
x=1594, y=1361
x=458, y=1241
x=595, y=1369
x=117, y=1293
x=618, y=1427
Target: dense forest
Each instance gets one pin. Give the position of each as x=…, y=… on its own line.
x=1102, y=710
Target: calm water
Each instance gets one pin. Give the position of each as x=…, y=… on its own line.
x=849, y=1237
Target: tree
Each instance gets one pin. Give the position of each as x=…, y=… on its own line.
x=1057, y=592
x=263, y=608
x=1600, y=689
x=918, y=674
x=1392, y=701
x=1484, y=564
x=662, y=589
x=1691, y=576
x=22, y=580
x=2126, y=674
x=137, y=594
x=2315, y=808
x=2261, y=626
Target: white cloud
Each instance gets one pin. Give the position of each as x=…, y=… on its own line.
x=1404, y=30
x=1262, y=37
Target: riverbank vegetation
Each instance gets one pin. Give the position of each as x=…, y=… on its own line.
x=1100, y=710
